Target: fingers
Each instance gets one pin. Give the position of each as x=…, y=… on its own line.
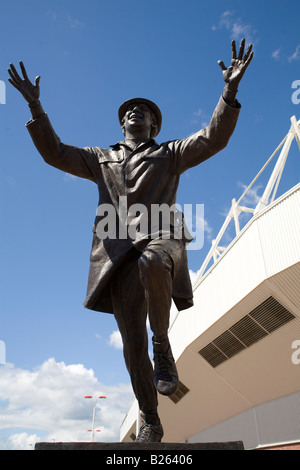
x=242, y=47
x=246, y=59
x=13, y=83
x=14, y=74
x=247, y=62
x=233, y=49
x=221, y=64
x=37, y=81
x=15, y=79
x=23, y=70
x=247, y=55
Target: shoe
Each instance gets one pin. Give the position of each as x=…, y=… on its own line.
x=150, y=433
x=165, y=373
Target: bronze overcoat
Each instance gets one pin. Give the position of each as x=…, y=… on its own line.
x=147, y=175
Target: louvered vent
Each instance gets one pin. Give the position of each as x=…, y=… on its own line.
x=181, y=391
x=260, y=322
x=271, y=315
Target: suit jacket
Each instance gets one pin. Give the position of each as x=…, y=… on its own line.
x=147, y=175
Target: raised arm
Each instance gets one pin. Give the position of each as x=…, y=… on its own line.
x=207, y=142
x=80, y=162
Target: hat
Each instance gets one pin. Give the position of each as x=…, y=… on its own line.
x=154, y=108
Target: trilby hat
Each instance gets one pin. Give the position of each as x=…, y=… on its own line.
x=154, y=108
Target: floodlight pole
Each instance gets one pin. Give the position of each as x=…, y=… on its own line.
x=94, y=413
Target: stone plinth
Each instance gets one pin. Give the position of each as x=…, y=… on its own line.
x=124, y=448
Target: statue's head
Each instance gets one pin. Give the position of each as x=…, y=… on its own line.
x=138, y=112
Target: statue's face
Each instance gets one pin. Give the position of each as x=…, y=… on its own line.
x=138, y=117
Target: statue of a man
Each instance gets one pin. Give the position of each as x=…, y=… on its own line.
x=137, y=272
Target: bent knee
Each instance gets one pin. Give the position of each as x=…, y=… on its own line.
x=152, y=262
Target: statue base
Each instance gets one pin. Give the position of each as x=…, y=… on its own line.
x=114, y=449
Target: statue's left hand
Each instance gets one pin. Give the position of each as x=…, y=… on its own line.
x=234, y=73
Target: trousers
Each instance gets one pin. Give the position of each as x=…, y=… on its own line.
x=142, y=286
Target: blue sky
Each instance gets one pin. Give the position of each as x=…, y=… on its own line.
x=92, y=56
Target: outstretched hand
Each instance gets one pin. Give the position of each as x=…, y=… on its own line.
x=234, y=73
x=30, y=92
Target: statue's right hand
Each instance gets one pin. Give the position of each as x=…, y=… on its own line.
x=30, y=92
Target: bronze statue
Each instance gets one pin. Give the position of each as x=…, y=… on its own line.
x=137, y=266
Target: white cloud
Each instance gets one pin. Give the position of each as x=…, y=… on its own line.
x=200, y=119
x=68, y=177
x=295, y=55
x=236, y=27
x=115, y=340
x=52, y=14
x=224, y=21
x=22, y=441
x=48, y=404
x=276, y=54
x=198, y=113
x=74, y=22
x=252, y=196
x=193, y=275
